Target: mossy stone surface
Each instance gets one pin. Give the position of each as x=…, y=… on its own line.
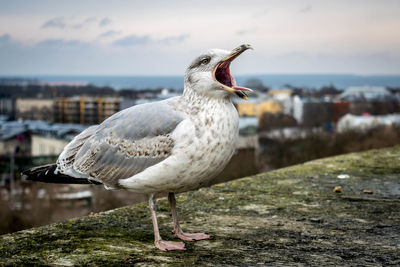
x=289, y=216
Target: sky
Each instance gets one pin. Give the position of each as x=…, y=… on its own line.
x=54, y=37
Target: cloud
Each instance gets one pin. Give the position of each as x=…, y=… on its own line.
x=105, y=21
x=57, y=43
x=174, y=39
x=63, y=23
x=77, y=26
x=85, y=22
x=246, y=31
x=54, y=23
x=305, y=9
x=90, y=19
x=260, y=13
x=133, y=40
x=5, y=38
x=109, y=34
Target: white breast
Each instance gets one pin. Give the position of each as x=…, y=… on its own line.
x=205, y=142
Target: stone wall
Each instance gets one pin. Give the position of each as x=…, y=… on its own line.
x=291, y=216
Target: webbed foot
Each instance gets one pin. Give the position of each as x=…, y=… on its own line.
x=192, y=237
x=169, y=245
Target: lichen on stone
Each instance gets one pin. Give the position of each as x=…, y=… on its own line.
x=288, y=216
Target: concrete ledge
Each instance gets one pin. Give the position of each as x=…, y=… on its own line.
x=290, y=216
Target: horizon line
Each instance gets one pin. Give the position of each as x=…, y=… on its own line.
x=181, y=75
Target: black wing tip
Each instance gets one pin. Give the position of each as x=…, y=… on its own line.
x=46, y=174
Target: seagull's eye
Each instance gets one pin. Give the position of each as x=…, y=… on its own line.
x=205, y=61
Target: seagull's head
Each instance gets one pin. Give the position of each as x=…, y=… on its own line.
x=209, y=74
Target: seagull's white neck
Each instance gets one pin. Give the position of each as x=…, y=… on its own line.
x=195, y=99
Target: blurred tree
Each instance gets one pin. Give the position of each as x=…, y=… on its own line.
x=328, y=90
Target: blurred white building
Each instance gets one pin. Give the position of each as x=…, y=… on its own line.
x=363, y=123
x=368, y=93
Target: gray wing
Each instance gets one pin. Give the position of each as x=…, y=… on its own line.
x=127, y=143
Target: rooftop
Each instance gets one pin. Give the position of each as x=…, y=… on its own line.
x=10, y=129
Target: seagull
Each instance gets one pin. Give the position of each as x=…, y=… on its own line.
x=171, y=146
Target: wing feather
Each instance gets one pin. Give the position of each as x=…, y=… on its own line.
x=125, y=144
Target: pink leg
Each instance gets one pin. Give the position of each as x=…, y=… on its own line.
x=162, y=244
x=177, y=228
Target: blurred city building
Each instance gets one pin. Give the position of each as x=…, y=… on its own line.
x=285, y=97
x=15, y=141
x=7, y=106
x=269, y=106
x=251, y=111
x=35, y=138
x=246, y=109
x=351, y=122
x=35, y=109
x=257, y=107
x=85, y=110
x=47, y=145
x=366, y=93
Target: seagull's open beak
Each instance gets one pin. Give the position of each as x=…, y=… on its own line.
x=222, y=75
